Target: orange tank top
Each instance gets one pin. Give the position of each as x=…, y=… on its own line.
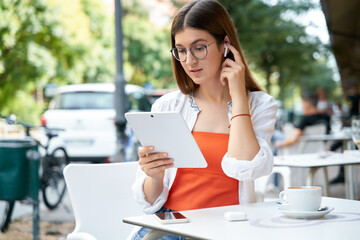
x=195, y=188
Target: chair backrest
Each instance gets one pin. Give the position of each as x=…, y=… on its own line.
x=313, y=146
x=288, y=130
x=302, y=146
x=101, y=197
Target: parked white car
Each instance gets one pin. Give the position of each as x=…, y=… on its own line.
x=86, y=112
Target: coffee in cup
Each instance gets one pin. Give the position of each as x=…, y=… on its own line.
x=302, y=198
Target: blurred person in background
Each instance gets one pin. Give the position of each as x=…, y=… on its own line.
x=354, y=98
x=323, y=103
x=311, y=116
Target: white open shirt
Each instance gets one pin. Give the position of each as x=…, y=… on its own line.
x=263, y=116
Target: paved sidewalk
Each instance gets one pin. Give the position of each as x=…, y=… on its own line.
x=54, y=225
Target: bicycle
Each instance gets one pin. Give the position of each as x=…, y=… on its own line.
x=52, y=164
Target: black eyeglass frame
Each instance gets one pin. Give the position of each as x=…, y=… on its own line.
x=190, y=49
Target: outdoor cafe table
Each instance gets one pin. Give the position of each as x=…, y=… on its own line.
x=344, y=136
x=316, y=160
x=264, y=221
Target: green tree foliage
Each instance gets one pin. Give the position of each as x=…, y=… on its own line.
x=72, y=41
x=279, y=47
x=26, y=32
x=53, y=41
x=146, y=48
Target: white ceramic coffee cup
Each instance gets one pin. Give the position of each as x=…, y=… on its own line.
x=302, y=198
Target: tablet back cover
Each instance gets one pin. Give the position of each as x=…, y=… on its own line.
x=167, y=132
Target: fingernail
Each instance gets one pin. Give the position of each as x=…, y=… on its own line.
x=151, y=148
x=171, y=160
x=164, y=154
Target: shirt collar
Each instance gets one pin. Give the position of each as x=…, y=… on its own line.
x=195, y=106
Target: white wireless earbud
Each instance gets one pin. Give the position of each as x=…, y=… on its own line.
x=226, y=49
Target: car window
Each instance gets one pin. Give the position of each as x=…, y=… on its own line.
x=85, y=100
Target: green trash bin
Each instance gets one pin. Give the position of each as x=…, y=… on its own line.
x=18, y=173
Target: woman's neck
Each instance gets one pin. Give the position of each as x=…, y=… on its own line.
x=215, y=93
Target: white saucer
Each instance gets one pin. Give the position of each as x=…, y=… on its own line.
x=304, y=214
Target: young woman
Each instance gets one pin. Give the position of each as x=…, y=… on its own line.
x=231, y=119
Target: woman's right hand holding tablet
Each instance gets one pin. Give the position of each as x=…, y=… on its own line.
x=154, y=163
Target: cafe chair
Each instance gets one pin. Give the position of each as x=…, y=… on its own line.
x=302, y=146
x=307, y=147
x=101, y=197
x=314, y=146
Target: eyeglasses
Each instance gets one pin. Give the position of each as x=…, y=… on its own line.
x=199, y=51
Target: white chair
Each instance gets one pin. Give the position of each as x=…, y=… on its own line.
x=314, y=146
x=288, y=130
x=101, y=197
x=302, y=146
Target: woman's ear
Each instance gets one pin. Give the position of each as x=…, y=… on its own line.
x=227, y=40
x=229, y=54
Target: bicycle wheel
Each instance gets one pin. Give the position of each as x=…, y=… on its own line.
x=7, y=215
x=53, y=182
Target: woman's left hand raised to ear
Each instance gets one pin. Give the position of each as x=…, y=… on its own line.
x=234, y=73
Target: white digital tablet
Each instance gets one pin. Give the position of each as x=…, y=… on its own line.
x=167, y=132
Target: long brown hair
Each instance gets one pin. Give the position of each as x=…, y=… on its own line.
x=211, y=16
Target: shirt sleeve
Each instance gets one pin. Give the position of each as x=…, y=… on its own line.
x=263, y=110
x=301, y=124
x=139, y=192
x=141, y=176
